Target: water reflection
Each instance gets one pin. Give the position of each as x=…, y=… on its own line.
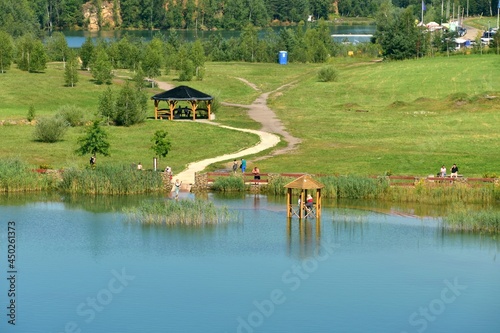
x=303, y=237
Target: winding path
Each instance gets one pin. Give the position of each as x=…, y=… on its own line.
x=269, y=134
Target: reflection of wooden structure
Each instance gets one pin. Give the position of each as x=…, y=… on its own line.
x=181, y=93
x=304, y=183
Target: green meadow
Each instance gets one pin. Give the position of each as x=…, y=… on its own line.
x=406, y=117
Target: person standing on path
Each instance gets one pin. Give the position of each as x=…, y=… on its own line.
x=177, y=188
x=235, y=166
x=243, y=165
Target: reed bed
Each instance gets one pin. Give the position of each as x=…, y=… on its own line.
x=229, y=184
x=443, y=194
x=110, y=180
x=348, y=187
x=463, y=219
x=17, y=176
x=179, y=212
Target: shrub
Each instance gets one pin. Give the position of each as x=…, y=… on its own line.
x=71, y=114
x=50, y=129
x=327, y=74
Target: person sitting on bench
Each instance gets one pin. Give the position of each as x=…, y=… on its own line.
x=309, y=202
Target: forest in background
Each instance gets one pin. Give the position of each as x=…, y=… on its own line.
x=38, y=16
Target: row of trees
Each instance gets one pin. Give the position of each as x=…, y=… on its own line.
x=20, y=16
x=167, y=53
x=401, y=38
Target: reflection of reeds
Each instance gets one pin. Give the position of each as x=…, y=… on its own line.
x=463, y=219
x=179, y=212
x=110, y=180
x=16, y=176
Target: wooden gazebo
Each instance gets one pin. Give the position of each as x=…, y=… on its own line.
x=303, y=183
x=181, y=93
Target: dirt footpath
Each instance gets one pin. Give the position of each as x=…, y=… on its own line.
x=269, y=134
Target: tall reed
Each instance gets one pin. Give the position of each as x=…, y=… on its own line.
x=353, y=187
x=108, y=179
x=179, y=212
x=17, y=176
x=429, y=193
x=229, y=184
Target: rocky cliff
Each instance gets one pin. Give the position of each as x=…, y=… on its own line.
x=102, y=15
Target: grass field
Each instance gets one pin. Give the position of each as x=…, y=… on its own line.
x=407, y=117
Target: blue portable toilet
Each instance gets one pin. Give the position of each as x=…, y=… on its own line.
x=283, y=58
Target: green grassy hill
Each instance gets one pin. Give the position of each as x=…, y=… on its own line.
x=407, y=117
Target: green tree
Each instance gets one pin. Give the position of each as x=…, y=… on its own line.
x=87, y=53
x=95, y=141
x=31, y=54
x=102, y=68
x=197, y=55
x=153, y=60
x=130, y=106
x=106, y=106
x=6, y=51
x=71, y=70
x=400, y=38
x=161, y=143
x=248, y=43
x=57, y=47
x=31, y=113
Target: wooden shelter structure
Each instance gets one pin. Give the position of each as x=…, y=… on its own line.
x=303, y=183
x=181, y=93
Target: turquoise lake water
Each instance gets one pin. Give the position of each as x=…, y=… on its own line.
x=83, y=267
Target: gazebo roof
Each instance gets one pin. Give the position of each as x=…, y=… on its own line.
x=182, y=93
x=305, y=182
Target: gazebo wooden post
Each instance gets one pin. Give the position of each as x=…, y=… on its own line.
x=193, y=108
x=301, y=208
x=318, y=203
x=209, y=103
x=156, y=108
x=172, y=108
x=289, y=202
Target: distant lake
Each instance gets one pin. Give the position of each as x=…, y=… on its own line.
x=77, y=38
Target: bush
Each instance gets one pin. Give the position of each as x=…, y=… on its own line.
x=71, y=114
x=327, y=74
x=50, y=129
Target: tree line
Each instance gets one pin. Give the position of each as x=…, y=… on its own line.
x=35, y=16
